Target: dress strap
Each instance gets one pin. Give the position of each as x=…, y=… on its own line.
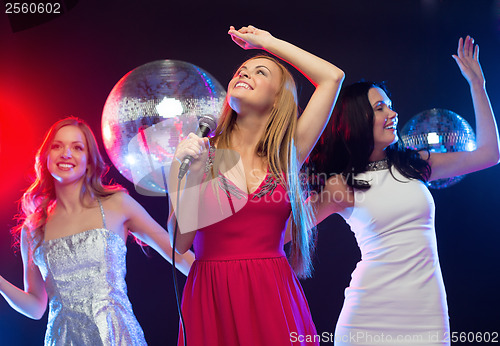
x=102, y=214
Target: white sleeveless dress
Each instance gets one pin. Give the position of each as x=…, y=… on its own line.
x=84, y=276
x=396, y=295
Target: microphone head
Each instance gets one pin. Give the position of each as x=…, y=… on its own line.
x=208, y=120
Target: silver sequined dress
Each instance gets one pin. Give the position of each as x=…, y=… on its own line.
x=84, y=276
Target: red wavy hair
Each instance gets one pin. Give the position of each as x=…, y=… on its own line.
x=39, y=198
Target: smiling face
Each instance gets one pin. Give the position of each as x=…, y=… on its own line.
x=68, y=154
x=385, y=120
x=254, y=86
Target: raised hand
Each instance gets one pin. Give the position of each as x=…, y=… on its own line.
x=487, y=153
x=249, y=37
x=467, y=59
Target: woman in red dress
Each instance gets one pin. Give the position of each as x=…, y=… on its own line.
x=242, y=187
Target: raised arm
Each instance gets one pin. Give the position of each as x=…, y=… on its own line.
x=487, y=153
x=32, y=302
x=144, y=227
x=326, y=77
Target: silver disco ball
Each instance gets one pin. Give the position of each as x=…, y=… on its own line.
x=439, y=131
x=149, y=111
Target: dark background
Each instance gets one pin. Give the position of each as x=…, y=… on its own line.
x=68, y=66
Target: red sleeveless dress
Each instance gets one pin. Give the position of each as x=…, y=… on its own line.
x=241, y=289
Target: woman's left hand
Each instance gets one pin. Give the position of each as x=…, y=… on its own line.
x=487, y=152
x=249, y=37
x=467, y=59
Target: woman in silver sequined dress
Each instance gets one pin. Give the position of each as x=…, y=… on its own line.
x=72, y=240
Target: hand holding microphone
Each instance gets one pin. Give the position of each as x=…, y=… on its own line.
x=195, y=144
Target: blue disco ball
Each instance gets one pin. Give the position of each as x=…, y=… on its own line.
x=439, y=131
x=149, y=111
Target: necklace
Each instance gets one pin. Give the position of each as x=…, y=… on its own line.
x=378, y=165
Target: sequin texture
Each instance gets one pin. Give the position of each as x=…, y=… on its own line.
x=84, y=277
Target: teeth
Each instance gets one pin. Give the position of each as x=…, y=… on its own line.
x=65, y=165
x=244, y=85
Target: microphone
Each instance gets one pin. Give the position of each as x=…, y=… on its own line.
x=207, y=124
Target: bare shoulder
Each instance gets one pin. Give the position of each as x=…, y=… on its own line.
x=117, y=199
x=120, y=209
x=25, y=244
x=23, y=236
x=338, y=191
x=120, y=202
x=335, y=196
x=336, y=182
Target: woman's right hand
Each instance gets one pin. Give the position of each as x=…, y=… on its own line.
x=197, y=148
x=186, y=193
x=32, y=301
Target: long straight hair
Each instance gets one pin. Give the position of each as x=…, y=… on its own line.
x=277, y=147
x=39, y=198
x=347, y=142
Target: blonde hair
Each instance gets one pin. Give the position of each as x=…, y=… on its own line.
x=277, y=147
x=39, y=198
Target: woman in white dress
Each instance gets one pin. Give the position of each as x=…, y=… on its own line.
x=396, y=294
x=72, y=237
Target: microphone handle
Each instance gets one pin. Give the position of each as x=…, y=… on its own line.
x=186, y=163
